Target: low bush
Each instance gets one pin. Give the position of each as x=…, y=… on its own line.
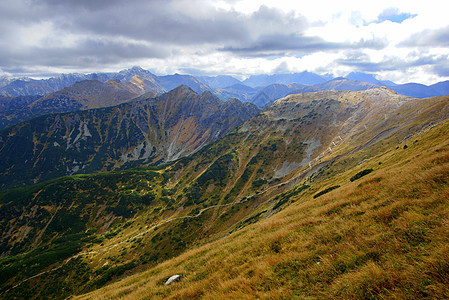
x=325, y=191
x=360, y=174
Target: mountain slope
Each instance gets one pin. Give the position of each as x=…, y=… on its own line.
x=368, y=78
x=441, y=88
x=82, y=95
x=298, y=155
x=326, y=236
x=85, y=94
x=221, y=81
x=14, y=110
x=275, y=91
x=381, y=236
x=128, y=75
x=170, y=82
x=20, y=87
x=343, y=84
x=146, y=130
x=240, y=91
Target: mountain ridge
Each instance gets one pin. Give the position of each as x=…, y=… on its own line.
x=220, y=85
x=85, y=94
x=146, y=130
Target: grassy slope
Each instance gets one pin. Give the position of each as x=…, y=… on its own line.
x=385, y=235
x=226, y=186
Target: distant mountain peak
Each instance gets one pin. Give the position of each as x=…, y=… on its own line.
x=136, y=68
x=181, y=89
x=232, y=101
x=344, y=84
x=207, y=94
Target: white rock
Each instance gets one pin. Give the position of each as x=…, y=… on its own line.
x=172, y=279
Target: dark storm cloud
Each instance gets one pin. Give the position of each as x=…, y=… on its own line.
x=86, y=53
x=78, y=4
x=156, y=21
x=104, y=32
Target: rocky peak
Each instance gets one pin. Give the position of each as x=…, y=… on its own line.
x=128, y=74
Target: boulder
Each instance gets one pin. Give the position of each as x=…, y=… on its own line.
x=172, y=279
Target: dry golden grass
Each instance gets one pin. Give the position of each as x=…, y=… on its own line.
x=383, y=236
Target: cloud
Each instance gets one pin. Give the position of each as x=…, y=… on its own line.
x=280, y=44
x=101, y=31
x=428, y=38
x=86, y=53
x=441, y=70
x=232, y=36
x=363, y=62
x=282, y=68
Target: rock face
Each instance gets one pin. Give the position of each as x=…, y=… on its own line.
x=147, y=130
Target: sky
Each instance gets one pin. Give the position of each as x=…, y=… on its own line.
x=401, y=41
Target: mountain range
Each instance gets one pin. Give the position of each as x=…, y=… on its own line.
x=222, y=86
x=147, y=129
x=277, y=186
x=82, y=95
x=180, y=182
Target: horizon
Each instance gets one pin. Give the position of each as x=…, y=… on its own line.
x=240, y=78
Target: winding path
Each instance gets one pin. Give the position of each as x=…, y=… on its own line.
x=125, y=240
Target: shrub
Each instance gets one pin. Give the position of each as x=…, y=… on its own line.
x=360, y=174
x=259, y=182
x=325, y=191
